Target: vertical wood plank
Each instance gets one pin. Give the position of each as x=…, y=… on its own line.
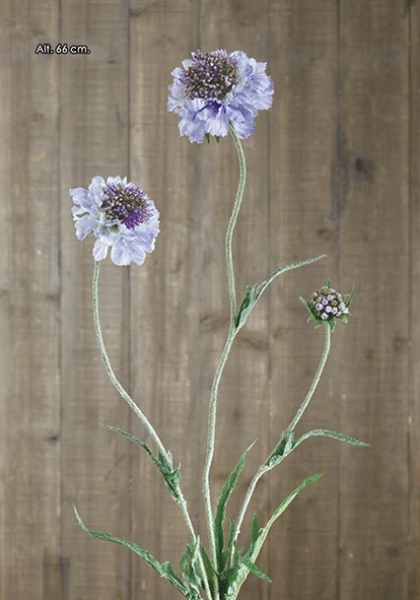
x=30, y=439
x=413, y=13
x=94, y=141
x=373, y=392
x=164, y=291
x=303, y=39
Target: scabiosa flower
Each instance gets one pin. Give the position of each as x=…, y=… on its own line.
x=214, y=89
x=119, y=215
x=328, y=305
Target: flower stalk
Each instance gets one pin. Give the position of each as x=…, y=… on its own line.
x=270, y=464
x=211, y=434
x=315, y=381
x=140, y=414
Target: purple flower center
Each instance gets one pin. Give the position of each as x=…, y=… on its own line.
x=210, y=76
x=126, y=203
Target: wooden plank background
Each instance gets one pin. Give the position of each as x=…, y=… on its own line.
x=334, y=168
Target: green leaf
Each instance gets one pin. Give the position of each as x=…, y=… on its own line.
x=255, y=530
x=332, y=434
x=191, y=574
x=280, y=510
x=255, y=570
x=165, y=570
x=210, y=571
x=217, y=138
x=283, y=448
x=264, y=285
x=236, y=583
x=254, y=293
x=225, y=494
x=246, y=306
x=164, y=464
x=348, y=298
x=130, y=437
x=207, y=136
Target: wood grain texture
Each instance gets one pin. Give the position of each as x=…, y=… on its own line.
x=333, y=168
x=164, y=306
x=303, y=46
x=373, y=389
x=95, y=462
x=413, y=14
x=30, y=495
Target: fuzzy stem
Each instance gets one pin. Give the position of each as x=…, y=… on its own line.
x=232, y=223
x=265, y=467
x=138, y=412
x=125, y=396
x=315, y=381
x=225, y=353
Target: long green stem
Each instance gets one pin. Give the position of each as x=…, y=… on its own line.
x=125, y=396
x=225, y=353
x=315, y=381
x=138, y=412
x=232, y=223
x=265, y=467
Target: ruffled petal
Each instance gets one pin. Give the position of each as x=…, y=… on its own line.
x=100, y=249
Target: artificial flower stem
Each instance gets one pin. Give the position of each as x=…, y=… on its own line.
x=251, y=488
x=264, y=468
x=232, y=222
x=137, y=411
x=316, y=379
x=210, y=447
x=125, y=396
x=222, y=361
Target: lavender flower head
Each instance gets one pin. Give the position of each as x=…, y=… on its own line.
x=214, y=89
x=119, y=215
x=328, y=305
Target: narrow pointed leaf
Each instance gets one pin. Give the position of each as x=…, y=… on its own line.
x=348, y=298
x=332, y=434
x=255, y=570
x=255, y=530
x=225, y=494
x=164, y=570
x=132, y=438
x=243, y=571
x=264, y=285
x=279, y=511
x=210, y=572
x=246, y=305
x=253, y=293
x=170, y=476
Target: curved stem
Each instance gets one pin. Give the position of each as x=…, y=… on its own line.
x=265, y=467
x=315, y=381
x=137, y=411
x=225, y=353
x=210, y=446
x=105, y=358
x=232, y=222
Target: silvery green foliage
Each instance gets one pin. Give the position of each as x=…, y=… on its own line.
x=254, y=293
